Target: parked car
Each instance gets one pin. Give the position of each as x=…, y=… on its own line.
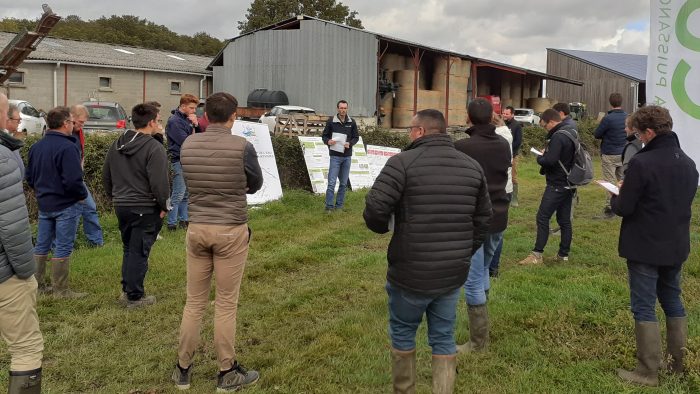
x=526, y=115
x=106, y=115
x=32, y=120
x=270, y=118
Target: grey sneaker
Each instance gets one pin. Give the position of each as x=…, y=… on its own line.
x=236, y=378
x=141, y=302
x=182, y=377
x=562, y=258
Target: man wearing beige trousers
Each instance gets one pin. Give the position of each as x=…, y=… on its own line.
x=219, y=169
x=19, y=323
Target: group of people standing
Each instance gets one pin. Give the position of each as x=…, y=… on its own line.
x=217, y=170
x=447, y=204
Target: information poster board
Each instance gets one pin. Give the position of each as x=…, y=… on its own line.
x=317, y=162
x=377, y=157
x=259, y=135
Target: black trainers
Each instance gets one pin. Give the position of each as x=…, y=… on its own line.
x=172, y=227
x=182, y=377
x=183, y=224
x=235, y=378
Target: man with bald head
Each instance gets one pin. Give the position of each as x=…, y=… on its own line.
x=91, y=222
x=19, y=325
x=436, y=201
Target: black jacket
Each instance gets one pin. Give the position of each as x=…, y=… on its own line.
x=135, y=172
x=559, y=148
x=517, y=130
x=492, y=152
x=349, y=128
x=441, y=205
x=655, y=204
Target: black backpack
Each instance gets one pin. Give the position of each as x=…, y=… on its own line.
x=581, y=172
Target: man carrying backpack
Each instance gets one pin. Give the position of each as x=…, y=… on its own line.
x=556, y=163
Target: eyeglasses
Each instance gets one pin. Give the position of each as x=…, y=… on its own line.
x=636, y=135
x=410, y=128
x=15, y=119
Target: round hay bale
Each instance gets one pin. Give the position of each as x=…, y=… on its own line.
x=539, y=104
x=426, y=98
x=456, y=83
x=401, y=117
x=457, y=117
x=393, y=61
x=405, y=78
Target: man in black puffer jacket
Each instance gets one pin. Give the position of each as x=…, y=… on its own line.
x=558, y=158
x=19, y=323
x=437, y=199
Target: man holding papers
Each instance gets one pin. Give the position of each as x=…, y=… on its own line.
x=556, y=161
x=655, y=204
x=340, y=135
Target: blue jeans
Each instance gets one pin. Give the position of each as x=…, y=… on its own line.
x=60, y=226
x=339, y=169
x=406, y=311
x=91, y=223
x=478, y=279
x=179, y=196
x=496, y=260
x=649, y=282
x=555, y=199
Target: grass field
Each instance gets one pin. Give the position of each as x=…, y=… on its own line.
x=313, y=315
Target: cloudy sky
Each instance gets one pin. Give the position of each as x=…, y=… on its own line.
x=511, y=31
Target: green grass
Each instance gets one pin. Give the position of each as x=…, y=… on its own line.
x=313, y=318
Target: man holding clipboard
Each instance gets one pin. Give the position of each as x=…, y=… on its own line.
x=340, y=135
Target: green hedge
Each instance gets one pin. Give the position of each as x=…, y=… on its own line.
x=288, y=154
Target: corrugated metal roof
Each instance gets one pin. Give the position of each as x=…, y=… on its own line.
x=632, y=66
x=218, y=59
x=118, y=56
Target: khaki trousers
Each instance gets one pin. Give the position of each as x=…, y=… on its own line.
x=19, y=323
x=222, y=251
x=612, y=169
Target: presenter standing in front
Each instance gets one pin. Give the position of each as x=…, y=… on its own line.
x=340, y=135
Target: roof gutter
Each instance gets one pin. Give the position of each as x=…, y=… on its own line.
x=203, y=74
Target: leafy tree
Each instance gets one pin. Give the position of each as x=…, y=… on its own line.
x=263, y=13
x=123, y=30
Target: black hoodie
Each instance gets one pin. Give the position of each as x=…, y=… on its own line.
x=135, y=171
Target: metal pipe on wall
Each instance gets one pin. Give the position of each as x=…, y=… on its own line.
x=55, y=84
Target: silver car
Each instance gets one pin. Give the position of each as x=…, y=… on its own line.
x=32, y=120
x=106, y=115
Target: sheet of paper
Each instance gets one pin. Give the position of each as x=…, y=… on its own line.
x=535, y=151
x=340, y=140
x=609, y=187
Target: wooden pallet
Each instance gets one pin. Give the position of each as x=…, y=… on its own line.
x=300, y=124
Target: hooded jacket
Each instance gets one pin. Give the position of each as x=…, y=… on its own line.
x=14, y=145
x=492, y=152
x=135, y=172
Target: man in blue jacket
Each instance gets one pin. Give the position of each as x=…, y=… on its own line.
x=181, y=125
x=339, y=126
x=55, y=174
x=611, y=131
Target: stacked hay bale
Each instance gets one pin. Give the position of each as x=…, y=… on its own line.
x=454, y=99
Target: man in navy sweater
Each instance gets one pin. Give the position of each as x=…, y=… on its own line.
x=55, y=174
x=611, y=131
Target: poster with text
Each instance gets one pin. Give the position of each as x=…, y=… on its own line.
x=259, y=135
x=377, y=157
x=317, y=162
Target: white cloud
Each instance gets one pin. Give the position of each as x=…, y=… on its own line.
x=510, y=31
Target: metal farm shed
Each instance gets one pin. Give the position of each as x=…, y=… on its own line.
x=317, y=62
x=602, y=73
